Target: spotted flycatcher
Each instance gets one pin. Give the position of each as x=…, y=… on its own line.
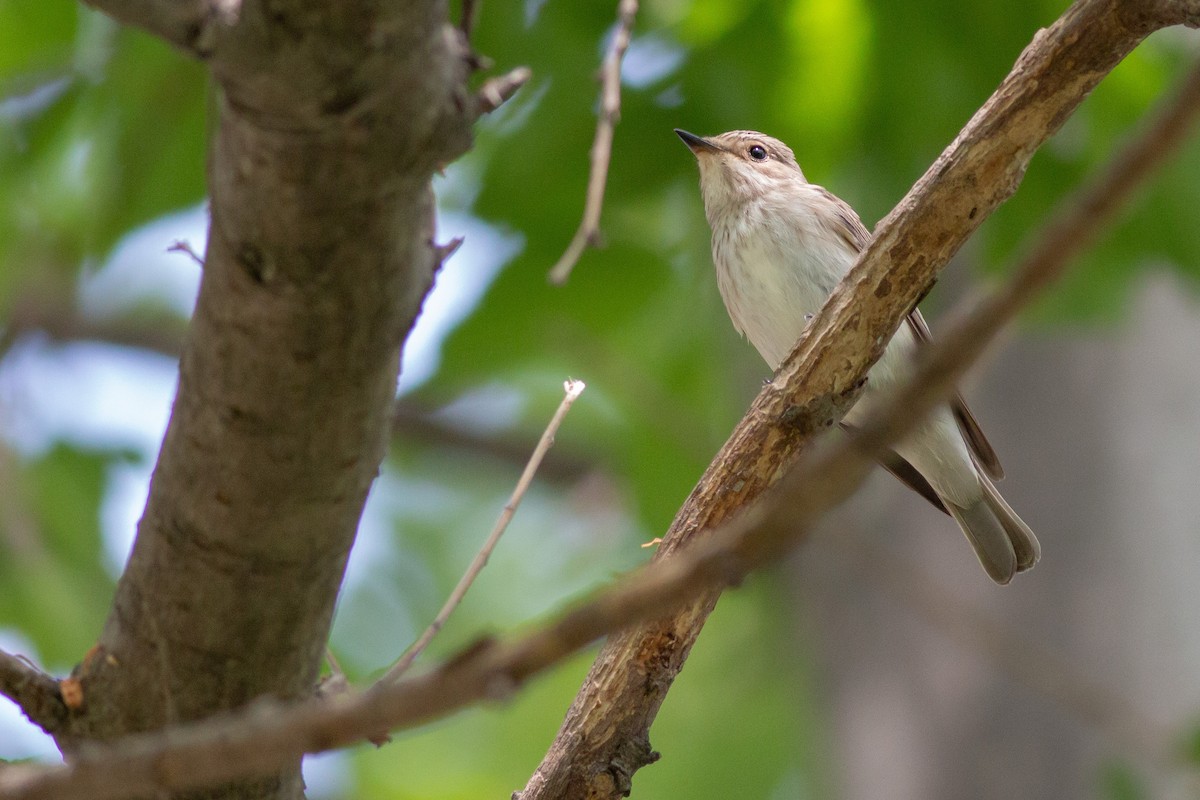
x=780, y=245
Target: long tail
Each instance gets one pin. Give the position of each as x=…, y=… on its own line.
x=1003, y=543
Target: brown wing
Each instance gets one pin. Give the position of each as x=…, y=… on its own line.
x=848, y=225
x=907, y=474
x=845, y=221
x=980, y=447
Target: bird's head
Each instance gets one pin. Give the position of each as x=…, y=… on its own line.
x=741, y=167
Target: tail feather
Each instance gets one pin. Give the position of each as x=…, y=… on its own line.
x=1024, y=543
x=988, y=538
x=1003, y=543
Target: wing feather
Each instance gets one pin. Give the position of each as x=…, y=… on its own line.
x=851, y=229
x=981, y=448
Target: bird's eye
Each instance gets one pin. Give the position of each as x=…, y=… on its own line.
x=758, y=152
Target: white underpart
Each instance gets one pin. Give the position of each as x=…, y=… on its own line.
x=769, y=285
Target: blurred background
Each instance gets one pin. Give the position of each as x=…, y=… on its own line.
x=878, y=661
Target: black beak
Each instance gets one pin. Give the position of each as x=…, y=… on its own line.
x=696, y=143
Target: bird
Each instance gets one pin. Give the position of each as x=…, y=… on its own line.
x=780, y=245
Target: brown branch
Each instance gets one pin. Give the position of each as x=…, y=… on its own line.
x=573, y=390
x=34, y=692
x=588, y=233
x=467, y=16
x=269, y=734
x=61, y=321
x=605, y=736
x=192, y=25
x=496, y=91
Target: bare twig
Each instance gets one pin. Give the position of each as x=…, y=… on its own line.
x=185, y=247
x=610, y=111
x=34, y=692
x=495, y=91
x=573, y=389
x=61, y=320
x=336, y=673
x=443, y=252
x=467, y=16
x=269, y=734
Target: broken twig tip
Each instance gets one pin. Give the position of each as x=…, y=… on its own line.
x=185, y=247
x=496, y=91
x=444, y=251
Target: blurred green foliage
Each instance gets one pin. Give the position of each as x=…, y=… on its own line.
x=104, y=129
x=1119, y=782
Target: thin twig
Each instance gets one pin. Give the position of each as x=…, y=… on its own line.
x=601, y=154
x=573, y=389
x=468, y=14
x=185, y=247
x=336, y=673
x=496, y=91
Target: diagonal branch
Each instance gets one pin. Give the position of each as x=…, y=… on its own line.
x=269, y=734
x=605, y=736
x=573, y=390
x=588, y=233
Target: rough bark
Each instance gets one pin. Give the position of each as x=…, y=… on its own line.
x=333, y=118
x=605, y=736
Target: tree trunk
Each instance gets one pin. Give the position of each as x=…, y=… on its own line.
x=333, y=118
